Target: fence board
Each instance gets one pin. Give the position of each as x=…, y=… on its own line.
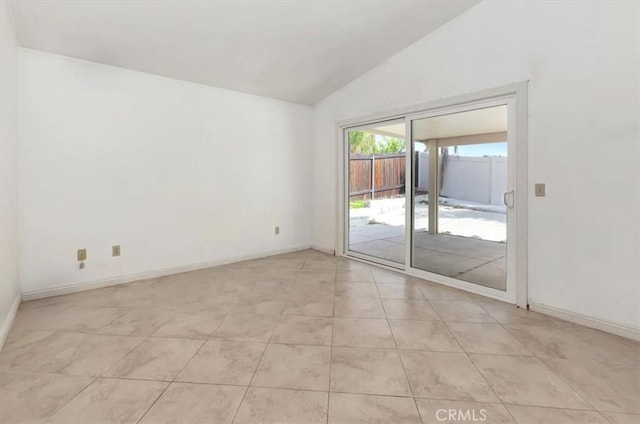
x=389, y=175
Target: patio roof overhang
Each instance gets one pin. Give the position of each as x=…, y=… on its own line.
x=489, y=124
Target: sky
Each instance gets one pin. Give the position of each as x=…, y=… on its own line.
x=489, y=149
x=477, y=150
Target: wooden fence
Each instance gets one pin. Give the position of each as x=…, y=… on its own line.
x=374, y=176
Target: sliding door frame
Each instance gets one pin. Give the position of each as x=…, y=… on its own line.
x=509, y=294
x=346, y=188
x=518, y=128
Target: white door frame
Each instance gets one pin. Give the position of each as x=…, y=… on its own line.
x=345, y=200
x=510, y=293
x=516, y=94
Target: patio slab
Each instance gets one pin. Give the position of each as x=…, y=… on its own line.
x=469, y=259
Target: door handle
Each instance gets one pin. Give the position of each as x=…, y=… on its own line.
x=505, y=196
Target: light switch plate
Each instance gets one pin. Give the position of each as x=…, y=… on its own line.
x=540, y=190
x=115, y=251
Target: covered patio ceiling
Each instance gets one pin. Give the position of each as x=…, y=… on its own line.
x=489, y=122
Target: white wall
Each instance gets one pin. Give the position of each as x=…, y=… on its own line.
x=480, y=179
x=582, y=60
x=9, y=285
x=176, y=173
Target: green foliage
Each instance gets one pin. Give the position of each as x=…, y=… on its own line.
x=391, y=145
x=361, y=142
x=357, y=204
x=364, y=143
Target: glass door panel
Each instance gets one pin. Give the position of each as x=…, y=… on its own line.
x=460, y=172
x=376, y=191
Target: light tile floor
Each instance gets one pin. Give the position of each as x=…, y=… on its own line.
x=307, y=338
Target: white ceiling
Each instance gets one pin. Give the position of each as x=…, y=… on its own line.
x=298, y=51
x=474, y=122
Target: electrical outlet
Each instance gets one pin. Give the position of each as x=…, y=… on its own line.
x=277, y=230
x=540, y=189
x=115, y=251
x=82, y=254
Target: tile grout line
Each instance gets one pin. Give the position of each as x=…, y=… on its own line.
x=607, y=419
x=246, y=388
x=73, y=397
x=481, y=374
x=553, y=372
x=154, y=402
x=204, y=342
x=540, y=360
x=170, y=382
x=473, y=363
x=142, y=340
x=255, y=370
x=397, y=351
x=331, y=345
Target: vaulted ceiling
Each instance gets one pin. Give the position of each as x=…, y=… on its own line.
x=298, y=51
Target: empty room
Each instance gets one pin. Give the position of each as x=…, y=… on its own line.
x=319, y=211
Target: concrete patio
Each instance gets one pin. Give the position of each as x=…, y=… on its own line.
x=469, y=247
x=470, y=259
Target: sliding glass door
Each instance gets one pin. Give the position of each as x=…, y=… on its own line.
x=459, y=223
x=376, y=156
x=432, y=194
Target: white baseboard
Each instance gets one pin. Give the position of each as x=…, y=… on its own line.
x=74, y=288
x=8, y=320
x=606, y=326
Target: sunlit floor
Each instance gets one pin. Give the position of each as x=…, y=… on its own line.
x=477, y=261
x=307, y=338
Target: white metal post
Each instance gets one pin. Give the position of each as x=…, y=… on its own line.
x=432, y=147
x=373, y=176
